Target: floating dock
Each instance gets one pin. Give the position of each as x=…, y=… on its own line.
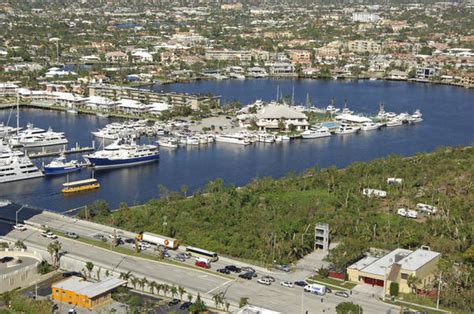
x=75, y=150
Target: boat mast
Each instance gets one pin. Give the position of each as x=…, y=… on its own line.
x=17, y=113
x=293, y=96
x=278, y=91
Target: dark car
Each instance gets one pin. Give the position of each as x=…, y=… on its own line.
x=301, y=283
x=224, y=271
x=185, y=305
x=72, y=273
x=233, y=268
x=129, y=241
x=247, y=275
x=71, y=235
x=173, y=302
x=328, y=290
x=342, y=294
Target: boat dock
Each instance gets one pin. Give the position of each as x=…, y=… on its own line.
x=75, y=150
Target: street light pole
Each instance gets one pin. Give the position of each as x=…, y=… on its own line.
x=16, y=214
x=439, y=289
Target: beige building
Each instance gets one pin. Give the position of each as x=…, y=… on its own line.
x=273, y=115
x=228, y=55
x=302, y=57
x=363, y=46
x=396, y=266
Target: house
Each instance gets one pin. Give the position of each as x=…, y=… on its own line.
x=396, y=266
x=281, y=69
x=69, y=100
x=425, y=73
x=142, y=56
x=116, y=57
x=85, y=294
x=273, y=116
x=302, y=57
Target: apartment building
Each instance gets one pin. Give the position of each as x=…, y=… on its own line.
x=302, y=57
x=364, y=46
x=228, y=55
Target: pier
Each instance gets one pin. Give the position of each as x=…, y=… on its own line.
x=75, y=150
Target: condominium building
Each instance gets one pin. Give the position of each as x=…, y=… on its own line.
x=229, y=55
x=364, y=46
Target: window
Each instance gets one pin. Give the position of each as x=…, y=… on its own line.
x=404, y=276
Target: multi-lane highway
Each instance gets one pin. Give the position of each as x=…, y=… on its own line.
x=193, y=279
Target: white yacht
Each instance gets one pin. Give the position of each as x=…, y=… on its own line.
x=232, y=139
x=192, y=140
x=168, y=142
x=266, y=138
x=416, y=116
x=316, y=133
x=370, y=126
x=48, y=138
x=347, y=129
x=17, y=168
x=394, y=122
x=7, y=152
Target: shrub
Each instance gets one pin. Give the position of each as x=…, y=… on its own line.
x=394, y=288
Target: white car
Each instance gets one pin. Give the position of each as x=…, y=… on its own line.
x=20, y=227
x=51, y=235
x=288, y=284
x=264, y=281
x=412, y=214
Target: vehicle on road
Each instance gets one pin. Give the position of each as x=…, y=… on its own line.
x=328, y=290
x=283, y=267
x=168, y=243
x=343, y=294
x=71, y=235
x=203, y=264
x=288, y=284
x=247, y=275
x=20, y=227
x=99, y=236
x=173, y=302
x=264, y=281
x=316, y=289
x=233, y=268
x=185, y=306
x=49, y=235
x=269, y=278
x=224, y=271
x=129, y=241
x=301, y=283
x=197, y=252
x=179, y=259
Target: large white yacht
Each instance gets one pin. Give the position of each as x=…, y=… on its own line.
x=370, y=126
x=17, y=168
x=316, y=133
x=232, y=139
x=347, y=129
x=38, y=139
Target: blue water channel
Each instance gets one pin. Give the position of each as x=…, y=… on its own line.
x=448, y=114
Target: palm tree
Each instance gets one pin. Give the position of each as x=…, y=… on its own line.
x=134, y=281
x=89, y=267
x=53, y=250
x=181, y=292
x=20, y=245
x=152, y=285
x=143, y=282
x=173, y=291
x=190, y=297
x=165, y=288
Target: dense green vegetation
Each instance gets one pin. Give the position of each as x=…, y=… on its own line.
x=276, y=218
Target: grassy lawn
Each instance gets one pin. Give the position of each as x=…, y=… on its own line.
x=331, y=281
x=422, y=300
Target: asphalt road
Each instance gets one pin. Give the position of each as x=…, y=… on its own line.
x=275, y=296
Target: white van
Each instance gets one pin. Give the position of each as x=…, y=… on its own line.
x=316, y=289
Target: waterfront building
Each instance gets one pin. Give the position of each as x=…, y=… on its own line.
x=425, y=73
x=228, y=55
x=8, y=89
x=131, y=106
x=116, y=57
x=273, y=116
x=281, y=69
x=85, y=294
x=467, y=80
x=396, y=266
x=302, y=57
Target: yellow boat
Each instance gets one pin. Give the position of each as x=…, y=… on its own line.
x=81, y=185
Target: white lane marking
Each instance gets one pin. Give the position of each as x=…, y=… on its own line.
x=219, y=286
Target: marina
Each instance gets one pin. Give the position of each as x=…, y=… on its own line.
x=193, y=158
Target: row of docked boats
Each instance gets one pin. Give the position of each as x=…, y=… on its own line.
x=32, y=137
x=117, y=130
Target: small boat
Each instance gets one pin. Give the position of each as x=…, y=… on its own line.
x=81, y=185
x=347, y=129
x=60, y=166
x=320, y=132
x=394, y=122
x=168, y=142
x=369, y=126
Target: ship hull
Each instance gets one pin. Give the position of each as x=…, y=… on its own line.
x=107, y=163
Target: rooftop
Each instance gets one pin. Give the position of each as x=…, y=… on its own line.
x=88, y=288
x=278, y=112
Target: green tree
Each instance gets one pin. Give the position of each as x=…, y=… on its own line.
x=198, y=306
x=243, y=302
x=394, y=289
x=348, y=308
x=89, y=267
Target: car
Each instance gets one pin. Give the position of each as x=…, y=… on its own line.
x=184, y=255
x=248, y=269
x=328, y=290
x=173, y=302
x=224, y=271
x=179, y=258
x=185, y=306
x=51, y=235
x=20, y=227
x=129, y=241
x=288, y=284
x=203, y=265
x=343, y=294
x=166, y=254
x=247, y=275
x=301, y=283
x=233, y=268
x=71, y=235
x=269, y=278
x=283, y=267
x=44, y=233
x=264, y=281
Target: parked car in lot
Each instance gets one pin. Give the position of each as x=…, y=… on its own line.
x=20, y=227
x=72, y=273
x=224, y=271
x=283, y=267
x=247, y=275
x=203, y=265
x=288, y=284
x=71, y=235
x=343, y=294
x=185, y=306
x=264, y=281
x=179, y=258
x=301, y=283
x=233, y=268
x=173, y=302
